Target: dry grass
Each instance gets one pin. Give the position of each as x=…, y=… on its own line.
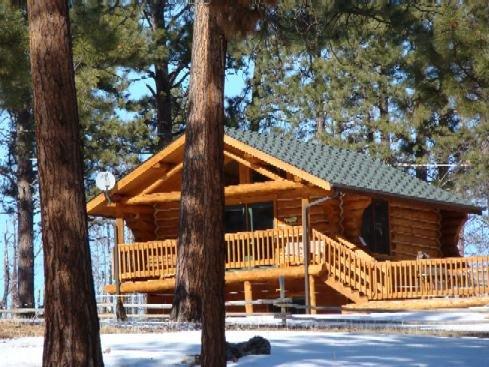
x=16, y=329
x=10, y=329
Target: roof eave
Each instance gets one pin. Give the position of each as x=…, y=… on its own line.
x=472, y=209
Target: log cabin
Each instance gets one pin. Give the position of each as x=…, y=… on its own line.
x=363, y=225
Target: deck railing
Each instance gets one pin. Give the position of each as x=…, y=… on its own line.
x=379, y=280
x=343, y=261
x=244, y=250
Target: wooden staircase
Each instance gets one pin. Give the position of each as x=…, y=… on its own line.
x=358, y=276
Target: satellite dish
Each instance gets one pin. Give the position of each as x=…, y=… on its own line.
x=105, y=181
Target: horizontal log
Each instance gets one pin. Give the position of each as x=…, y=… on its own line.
x=167, y=223
x=422, y=214
x=411, y=205
x=173, y=213
x=233, y=190
x=394, y=222
x=158, y=285
x=399, y=244
x=163, y=207
x=420, y=241
x=403, y=255
x=414, y=217
x=284, y=204
x=416, y=232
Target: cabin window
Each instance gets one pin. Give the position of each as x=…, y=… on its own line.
x=234, y=219
x=248, y=217
x=375, y=227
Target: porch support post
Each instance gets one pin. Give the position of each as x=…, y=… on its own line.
x=119, y=239
x=248, y=293
x=305, y=249
x=312, y=294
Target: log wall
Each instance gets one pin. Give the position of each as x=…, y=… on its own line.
x=414, y=227
x=324, y=217
x=166, y=217
x=288, y=212
x=142, y=227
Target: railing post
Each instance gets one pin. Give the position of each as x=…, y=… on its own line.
x=305, y=249
x=312, y=294
x=119, y=239
x=248, y=296
x=281, y=282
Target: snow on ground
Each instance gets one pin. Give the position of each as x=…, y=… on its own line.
x=474, y=319
x=289, y=348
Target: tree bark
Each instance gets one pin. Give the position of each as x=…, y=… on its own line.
x=162, y=96
x=72, y=326
x=25, y=209
x=200, y=264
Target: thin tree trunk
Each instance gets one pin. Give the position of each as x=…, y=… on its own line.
x=25, y=209
x=163, y=87
x=420, y=153
x=6, y=272
x=163, y=105
x=255, y=93
x=15, y=250
x=72, y=325
x=200, y=263
x=319, y=125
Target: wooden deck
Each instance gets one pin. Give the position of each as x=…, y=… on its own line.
x=337, y=262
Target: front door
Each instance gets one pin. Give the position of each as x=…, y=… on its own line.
x=375, y=227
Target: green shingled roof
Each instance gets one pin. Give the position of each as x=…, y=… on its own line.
x=345, y=169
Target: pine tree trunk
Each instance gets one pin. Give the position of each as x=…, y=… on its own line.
x=200, y=264
x=72, y=326
x=163, y=88
x=25, y=209
x=163, y=105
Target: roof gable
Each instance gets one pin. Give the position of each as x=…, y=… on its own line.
x=321, y=165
